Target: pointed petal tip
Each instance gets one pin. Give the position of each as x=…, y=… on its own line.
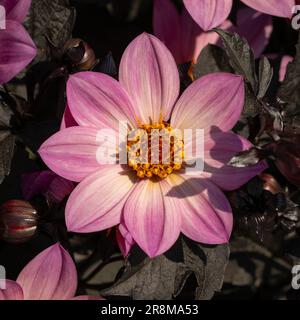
x=219, y=98
x=51, y=275
x=151, y=220
x=149, y=74
x=208, y=13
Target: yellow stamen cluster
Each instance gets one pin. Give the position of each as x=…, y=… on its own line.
x=161, y=168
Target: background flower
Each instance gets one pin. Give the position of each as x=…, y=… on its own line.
x=212, y=13
x=186, y=39
x=51, y=275
x=17, y=48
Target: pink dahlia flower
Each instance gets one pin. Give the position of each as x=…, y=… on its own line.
x=212, y=13
x=153, y=210
x=51, y=275
x=186, y=39
x=17, y=48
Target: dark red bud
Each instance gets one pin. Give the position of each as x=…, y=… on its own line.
x=18, y=221
x=79, y=55
x=270, y=183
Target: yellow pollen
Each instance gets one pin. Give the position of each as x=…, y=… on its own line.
x=166, y=162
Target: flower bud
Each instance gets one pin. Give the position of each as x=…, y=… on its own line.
x=18, y=221
x=270, y=183
x=79, y=55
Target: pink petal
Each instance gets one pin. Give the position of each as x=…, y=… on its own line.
x=166, y=26
x=282, y=8
x=16, y=9
x=284, y=63
x=124, y=239
x=96, y=203
x=213, y=100
x=51, y=275
x=97, y=100
x=208, y=13
x=88, y=298
x=13, y=291
x=151, y=219
x=219, y=149
x=67, y=120
x=206, y=215
x=35, y=183
x=149, y=74
x=255, y=27
x=72, y=152
x=17, y=50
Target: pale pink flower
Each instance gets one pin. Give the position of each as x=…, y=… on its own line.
x=154, y=211
x=212, y=13
x=17, y=48
x=185, y=38
x=51, y=275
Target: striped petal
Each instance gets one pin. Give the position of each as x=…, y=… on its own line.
x=72, y=152
x=149, y=74
x=51, y=275
x=98, y=100
x=205, y=212
x=152, y=220
x=209, y=13
x=97, y=202
x=214, y=100
x=17, y=50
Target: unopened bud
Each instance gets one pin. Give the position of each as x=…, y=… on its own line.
x=79, y=55
x=18, y=221
x=270, y=183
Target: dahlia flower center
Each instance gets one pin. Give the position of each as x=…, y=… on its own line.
x=154, y=150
